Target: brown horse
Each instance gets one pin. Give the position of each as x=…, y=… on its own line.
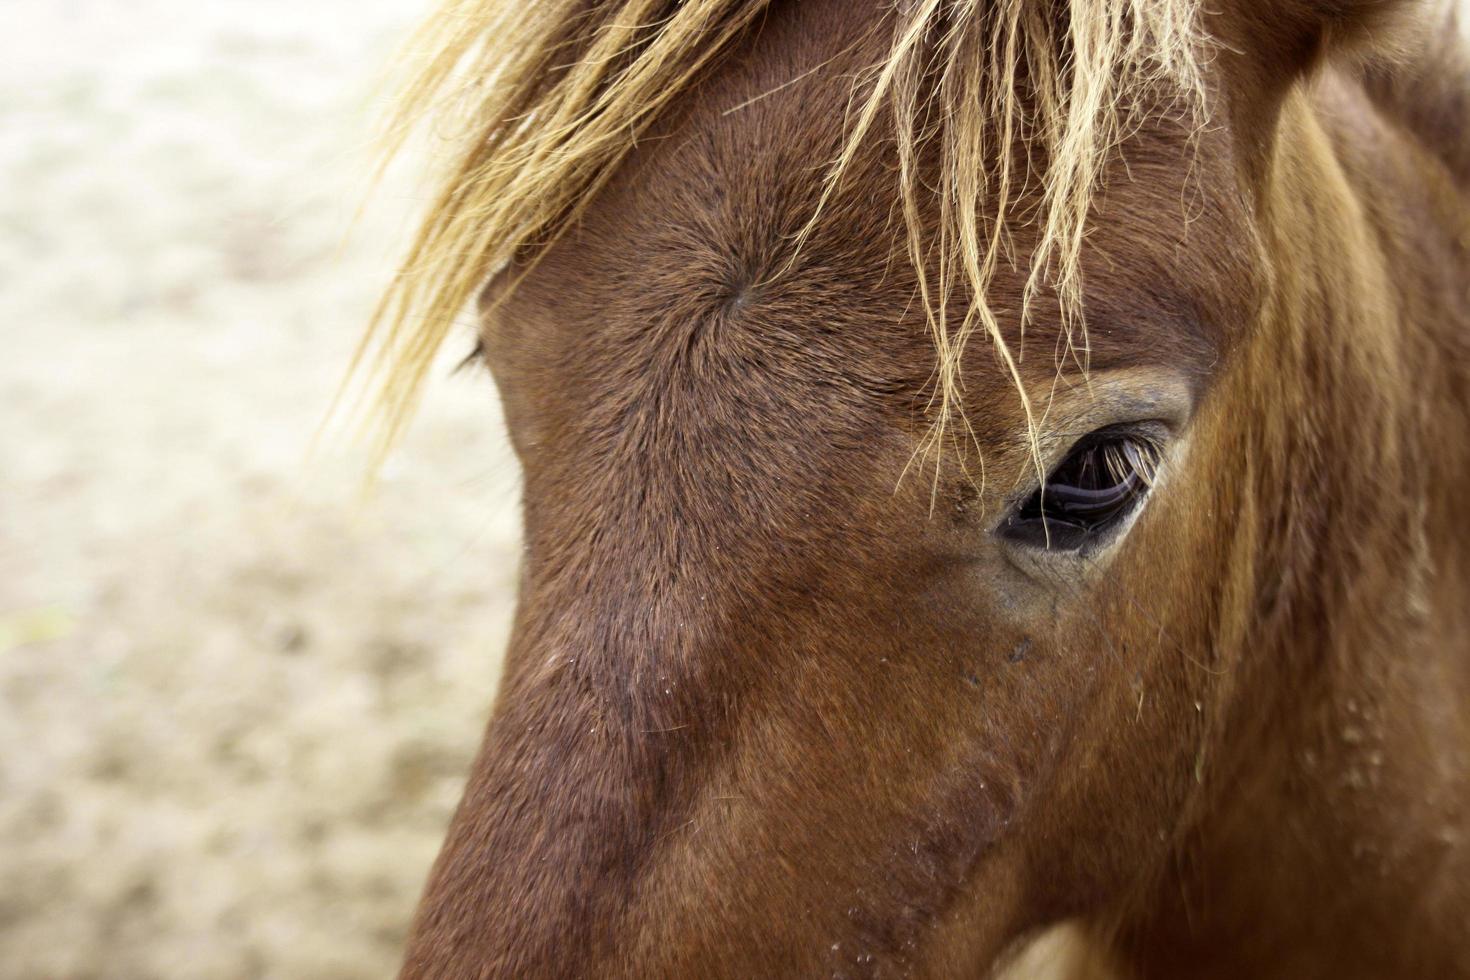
x=847, y=648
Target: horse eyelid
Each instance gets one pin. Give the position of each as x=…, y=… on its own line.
x=476, y=357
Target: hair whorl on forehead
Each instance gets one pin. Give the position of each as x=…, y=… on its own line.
x=549, y=97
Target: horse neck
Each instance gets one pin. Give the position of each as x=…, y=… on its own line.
x=1369, y=326
x=1341, y=795
x=1366, y=340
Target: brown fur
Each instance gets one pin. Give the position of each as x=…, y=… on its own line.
x=771, y=710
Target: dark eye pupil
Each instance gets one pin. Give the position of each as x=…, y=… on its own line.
x=1096, y=485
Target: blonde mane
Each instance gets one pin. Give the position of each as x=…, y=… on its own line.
x=549, y=97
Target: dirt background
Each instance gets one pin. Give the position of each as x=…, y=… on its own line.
x=237, y=697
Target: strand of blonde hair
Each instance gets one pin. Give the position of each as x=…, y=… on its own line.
x=547, y=100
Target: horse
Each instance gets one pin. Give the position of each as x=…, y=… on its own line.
x=987, y=464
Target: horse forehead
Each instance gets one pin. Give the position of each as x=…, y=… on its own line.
x=725, y=186
x=701, y=221
x=696, y=235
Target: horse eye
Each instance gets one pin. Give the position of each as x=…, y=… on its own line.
x=1102, y=480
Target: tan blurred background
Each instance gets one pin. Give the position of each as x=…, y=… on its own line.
x=236, y=698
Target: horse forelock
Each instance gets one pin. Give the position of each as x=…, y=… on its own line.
x=547, y=100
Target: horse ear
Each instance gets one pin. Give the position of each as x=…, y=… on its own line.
x=1296, y=33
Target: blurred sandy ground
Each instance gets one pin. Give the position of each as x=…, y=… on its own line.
x=236, y=700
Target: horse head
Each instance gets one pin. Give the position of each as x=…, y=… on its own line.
x=986, y=465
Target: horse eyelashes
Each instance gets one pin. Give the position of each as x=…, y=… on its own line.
x=1102, y=480
x=474, y=358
